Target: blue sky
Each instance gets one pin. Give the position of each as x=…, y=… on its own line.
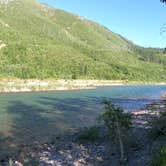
x=138, y=20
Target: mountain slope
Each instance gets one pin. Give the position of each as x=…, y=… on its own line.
x=37, y=41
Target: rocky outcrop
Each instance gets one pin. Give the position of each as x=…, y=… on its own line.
x=2, y=45
x=5, y=2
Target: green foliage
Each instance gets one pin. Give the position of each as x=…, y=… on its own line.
x=112, y=115
x=42, y=42
x=160, y=158
x=89, y=135
x=118, y=123
x=158, y=126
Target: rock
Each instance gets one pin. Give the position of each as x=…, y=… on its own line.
x=17, y=163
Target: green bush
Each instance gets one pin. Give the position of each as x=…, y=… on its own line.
x=118, y=123
x=160, y=158
x=89, y=135
x=158, y=126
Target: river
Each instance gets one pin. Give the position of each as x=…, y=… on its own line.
x=27, y=117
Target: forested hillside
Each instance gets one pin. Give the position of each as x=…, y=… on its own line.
x=38, y=41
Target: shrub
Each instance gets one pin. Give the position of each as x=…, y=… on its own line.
x=89, y=135
x=118, y=122
x=158, y=126
x=160, y=158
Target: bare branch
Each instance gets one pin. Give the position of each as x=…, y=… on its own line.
x=163, y=1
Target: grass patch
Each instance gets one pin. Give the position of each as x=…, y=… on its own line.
x=160, y=158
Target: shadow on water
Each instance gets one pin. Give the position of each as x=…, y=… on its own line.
x=128, y=104
x=40, y=122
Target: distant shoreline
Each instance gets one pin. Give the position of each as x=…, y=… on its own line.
x=32, y=85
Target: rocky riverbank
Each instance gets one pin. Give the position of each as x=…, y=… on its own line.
x=71, y=151
x=16, y=85
x=9, y=86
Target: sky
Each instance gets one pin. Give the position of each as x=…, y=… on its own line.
x=140, y=21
